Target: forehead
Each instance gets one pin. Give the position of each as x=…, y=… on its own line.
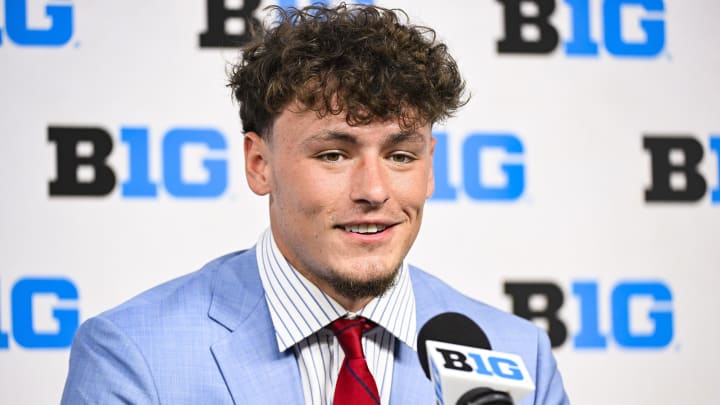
x=296, y=125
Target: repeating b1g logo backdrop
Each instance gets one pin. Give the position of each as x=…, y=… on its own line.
x=592, y=212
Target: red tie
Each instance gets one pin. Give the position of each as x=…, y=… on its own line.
x=355, y=385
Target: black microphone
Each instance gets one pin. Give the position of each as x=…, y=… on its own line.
x=457, y=357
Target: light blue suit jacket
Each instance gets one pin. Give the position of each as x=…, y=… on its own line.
x=207, y=338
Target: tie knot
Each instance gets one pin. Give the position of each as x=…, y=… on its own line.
x=349, y=335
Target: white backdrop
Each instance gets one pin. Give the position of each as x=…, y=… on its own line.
x=581, y=217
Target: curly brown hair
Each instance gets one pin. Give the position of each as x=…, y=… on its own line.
x=357, y=59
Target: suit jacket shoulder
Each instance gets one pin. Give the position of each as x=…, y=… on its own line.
x=205, y=337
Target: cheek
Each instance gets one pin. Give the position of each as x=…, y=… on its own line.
x=412, y=192
x=304, y=197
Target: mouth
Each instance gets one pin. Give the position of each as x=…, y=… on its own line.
x=365, y=229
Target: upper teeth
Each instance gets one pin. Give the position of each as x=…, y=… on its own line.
x=365, y=228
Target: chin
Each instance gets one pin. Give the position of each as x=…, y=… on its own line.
x=372, y=280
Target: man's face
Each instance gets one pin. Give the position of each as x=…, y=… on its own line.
x=346, y=201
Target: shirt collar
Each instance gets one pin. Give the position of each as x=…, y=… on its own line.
x=298, y=308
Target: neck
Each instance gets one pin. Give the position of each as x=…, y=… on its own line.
x=350, y=304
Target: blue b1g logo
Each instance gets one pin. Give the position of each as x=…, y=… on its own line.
x=475, y=183
x=60, y=29
x=23, y=314
x=623, y=329
x=70, y=161
x=519, y=21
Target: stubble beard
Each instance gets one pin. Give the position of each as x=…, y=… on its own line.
x=356, y=289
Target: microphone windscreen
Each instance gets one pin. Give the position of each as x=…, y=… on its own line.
x=450, y=327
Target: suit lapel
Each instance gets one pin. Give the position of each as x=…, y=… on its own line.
x=254, y=369
x=248, y=358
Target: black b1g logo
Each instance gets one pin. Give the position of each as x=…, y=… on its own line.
x=674, y=164
x=229, y=27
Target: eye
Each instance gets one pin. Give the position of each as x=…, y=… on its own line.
x=401, y=158
x=330, y=156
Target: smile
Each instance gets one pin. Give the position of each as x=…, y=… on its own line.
x=365, y=228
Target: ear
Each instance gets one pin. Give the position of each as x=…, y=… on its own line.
x=257, y=164
x=431, y=175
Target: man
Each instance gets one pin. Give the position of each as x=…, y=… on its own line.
x=337, y=106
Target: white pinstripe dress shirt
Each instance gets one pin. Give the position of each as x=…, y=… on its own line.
x=300, y=311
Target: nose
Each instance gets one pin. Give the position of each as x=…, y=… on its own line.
x=369, y=183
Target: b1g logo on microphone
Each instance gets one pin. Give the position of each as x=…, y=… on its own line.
x=55, y=29
x=654, y=330
x=44, y=314
x=455, y=369
x=492, y=168
x=481, y=362
x=528, y=29
x=229, y=22
x=675, y=175
x=82, y=167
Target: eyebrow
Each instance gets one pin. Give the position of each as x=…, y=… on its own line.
x=401, y=137
x=351, y=139
x=331, y=136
